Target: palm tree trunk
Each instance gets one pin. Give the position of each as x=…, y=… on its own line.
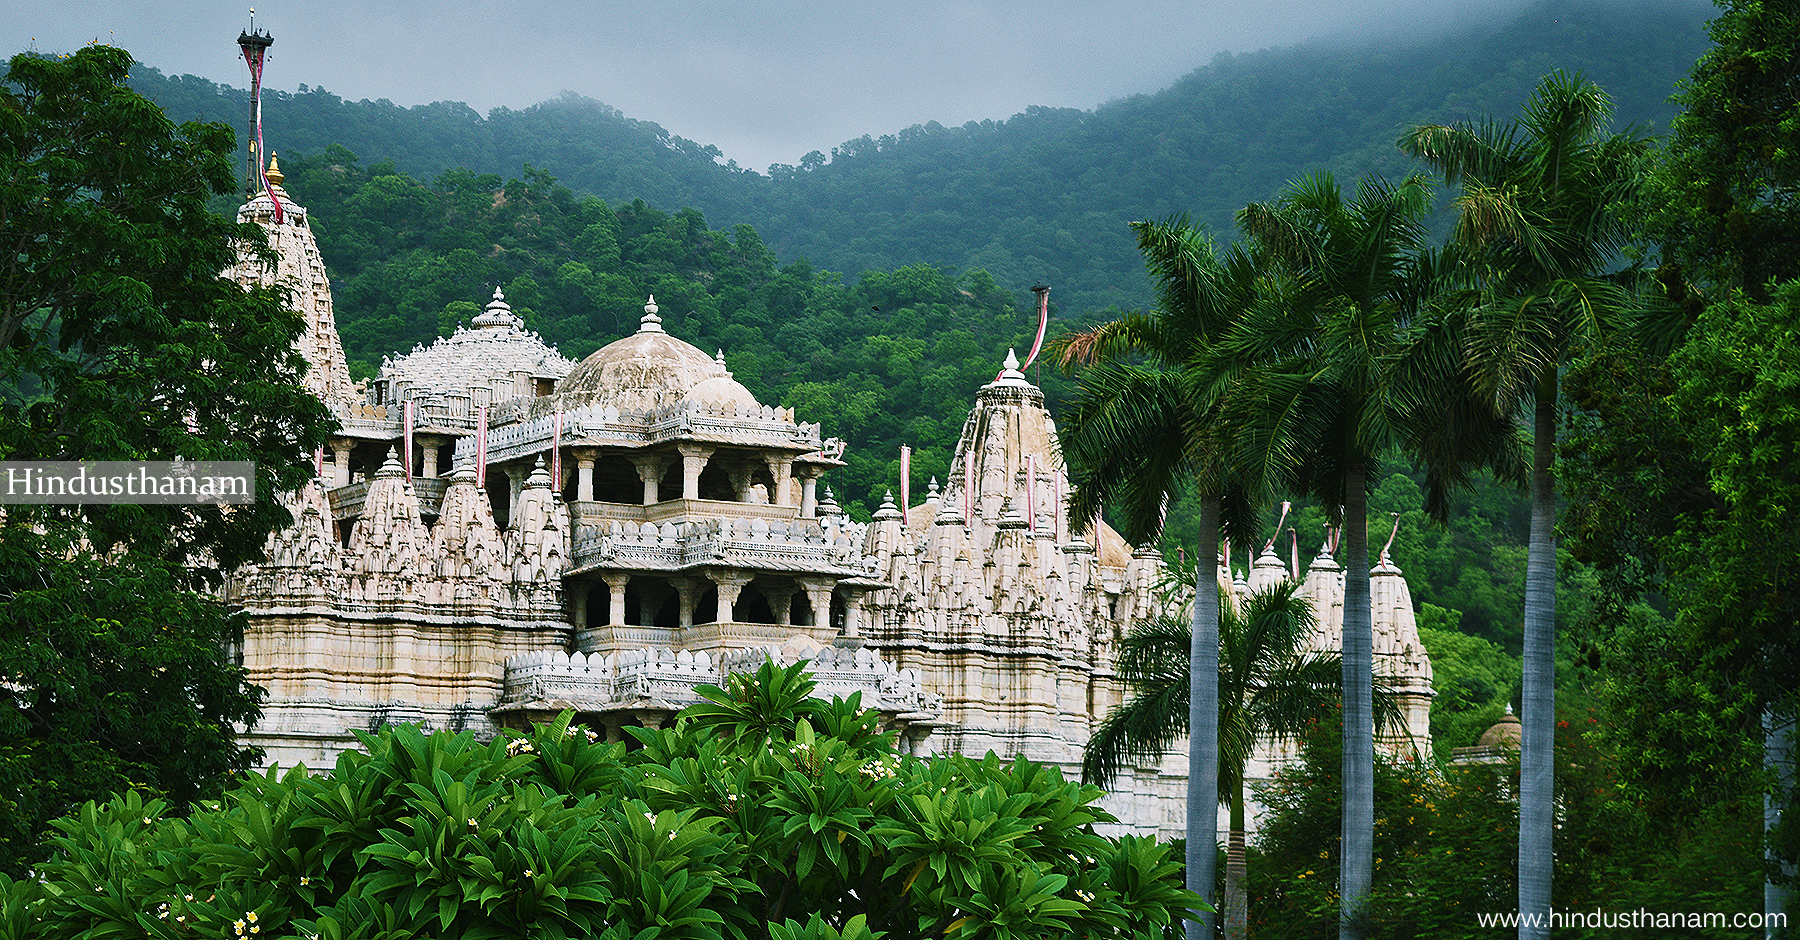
x=1778, y=762
x=1537, y=721
x=1237, y=903
x=1203, y=726
x=1356, y=871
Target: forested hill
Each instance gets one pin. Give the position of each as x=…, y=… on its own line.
x=1045, y=195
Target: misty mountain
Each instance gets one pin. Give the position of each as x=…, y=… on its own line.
x=1045, y=195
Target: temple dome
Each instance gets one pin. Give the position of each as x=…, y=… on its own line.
x=497, y=347
x=1504, y=733
x=649, y=369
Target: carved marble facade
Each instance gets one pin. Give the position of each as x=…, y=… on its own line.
x=637, y=523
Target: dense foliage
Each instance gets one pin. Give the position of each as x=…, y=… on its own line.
x=120, y=340
x=1447, y=846
x=763, y=813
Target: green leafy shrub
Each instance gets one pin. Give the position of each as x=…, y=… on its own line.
x=762, y=813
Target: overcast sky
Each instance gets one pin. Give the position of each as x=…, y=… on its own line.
x=765, y=80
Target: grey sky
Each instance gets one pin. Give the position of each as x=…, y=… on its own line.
x=765, y=81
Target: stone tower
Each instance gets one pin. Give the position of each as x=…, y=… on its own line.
x=298, y=268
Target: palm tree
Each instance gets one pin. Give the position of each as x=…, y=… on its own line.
x=1321, y=404
x=1136, y=435
x=1267, y=689
x=1537, y=222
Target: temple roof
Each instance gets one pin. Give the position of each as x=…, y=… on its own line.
x=650, y=369
x=498, y=346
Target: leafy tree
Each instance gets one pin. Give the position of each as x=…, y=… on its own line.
x=120, y=340
x=761, y=808
x=1538, y=215
x=1730, y=175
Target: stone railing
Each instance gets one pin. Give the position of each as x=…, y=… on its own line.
x=791, y=545
x=667, y=678
x=520, y=427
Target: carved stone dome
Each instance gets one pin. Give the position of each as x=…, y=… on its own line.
x=649, y=369
x=497, y=347
x=1504, y=733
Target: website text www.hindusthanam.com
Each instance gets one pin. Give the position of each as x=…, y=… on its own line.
x=1641, y=919
x=179, y=482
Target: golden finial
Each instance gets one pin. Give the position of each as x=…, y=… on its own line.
x=274, y=174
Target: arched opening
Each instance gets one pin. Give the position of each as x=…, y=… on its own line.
x=706, y=608
x=652, y=602
x=752, y=606
x=715, y=483
x=616, y=481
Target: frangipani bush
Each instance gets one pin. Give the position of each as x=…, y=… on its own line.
x=762, y=813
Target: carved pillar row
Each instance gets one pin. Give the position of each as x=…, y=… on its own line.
x=693, y=461
x=584, y=473
x=650, y=470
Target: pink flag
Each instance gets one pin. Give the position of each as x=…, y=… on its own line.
x=1043, y=321
x=253, y=57
x=556, y=455
x=1057, y=482
x=905, y=482
x=406, y=418
x=481, y=445
x=319, y=461
x=1031, y=493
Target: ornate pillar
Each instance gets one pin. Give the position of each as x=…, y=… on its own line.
x=809, y=484
x=578, y=601
x=781, y=601
x=853, y=614
x=730, y=586
x=615, y=584
x=781, y=468
x=650, y=471
x=818, y=595
x=584, y=473
x=741, y=478
x=693, y=461
x=684, y=591
x=340, y=460
x=515, y=483
x=428, y=449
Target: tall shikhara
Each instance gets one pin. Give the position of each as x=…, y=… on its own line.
x=300, y=270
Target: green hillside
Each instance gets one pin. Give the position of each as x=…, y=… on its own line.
x=1043, y=196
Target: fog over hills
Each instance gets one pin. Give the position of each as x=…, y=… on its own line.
x=1045, y=195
